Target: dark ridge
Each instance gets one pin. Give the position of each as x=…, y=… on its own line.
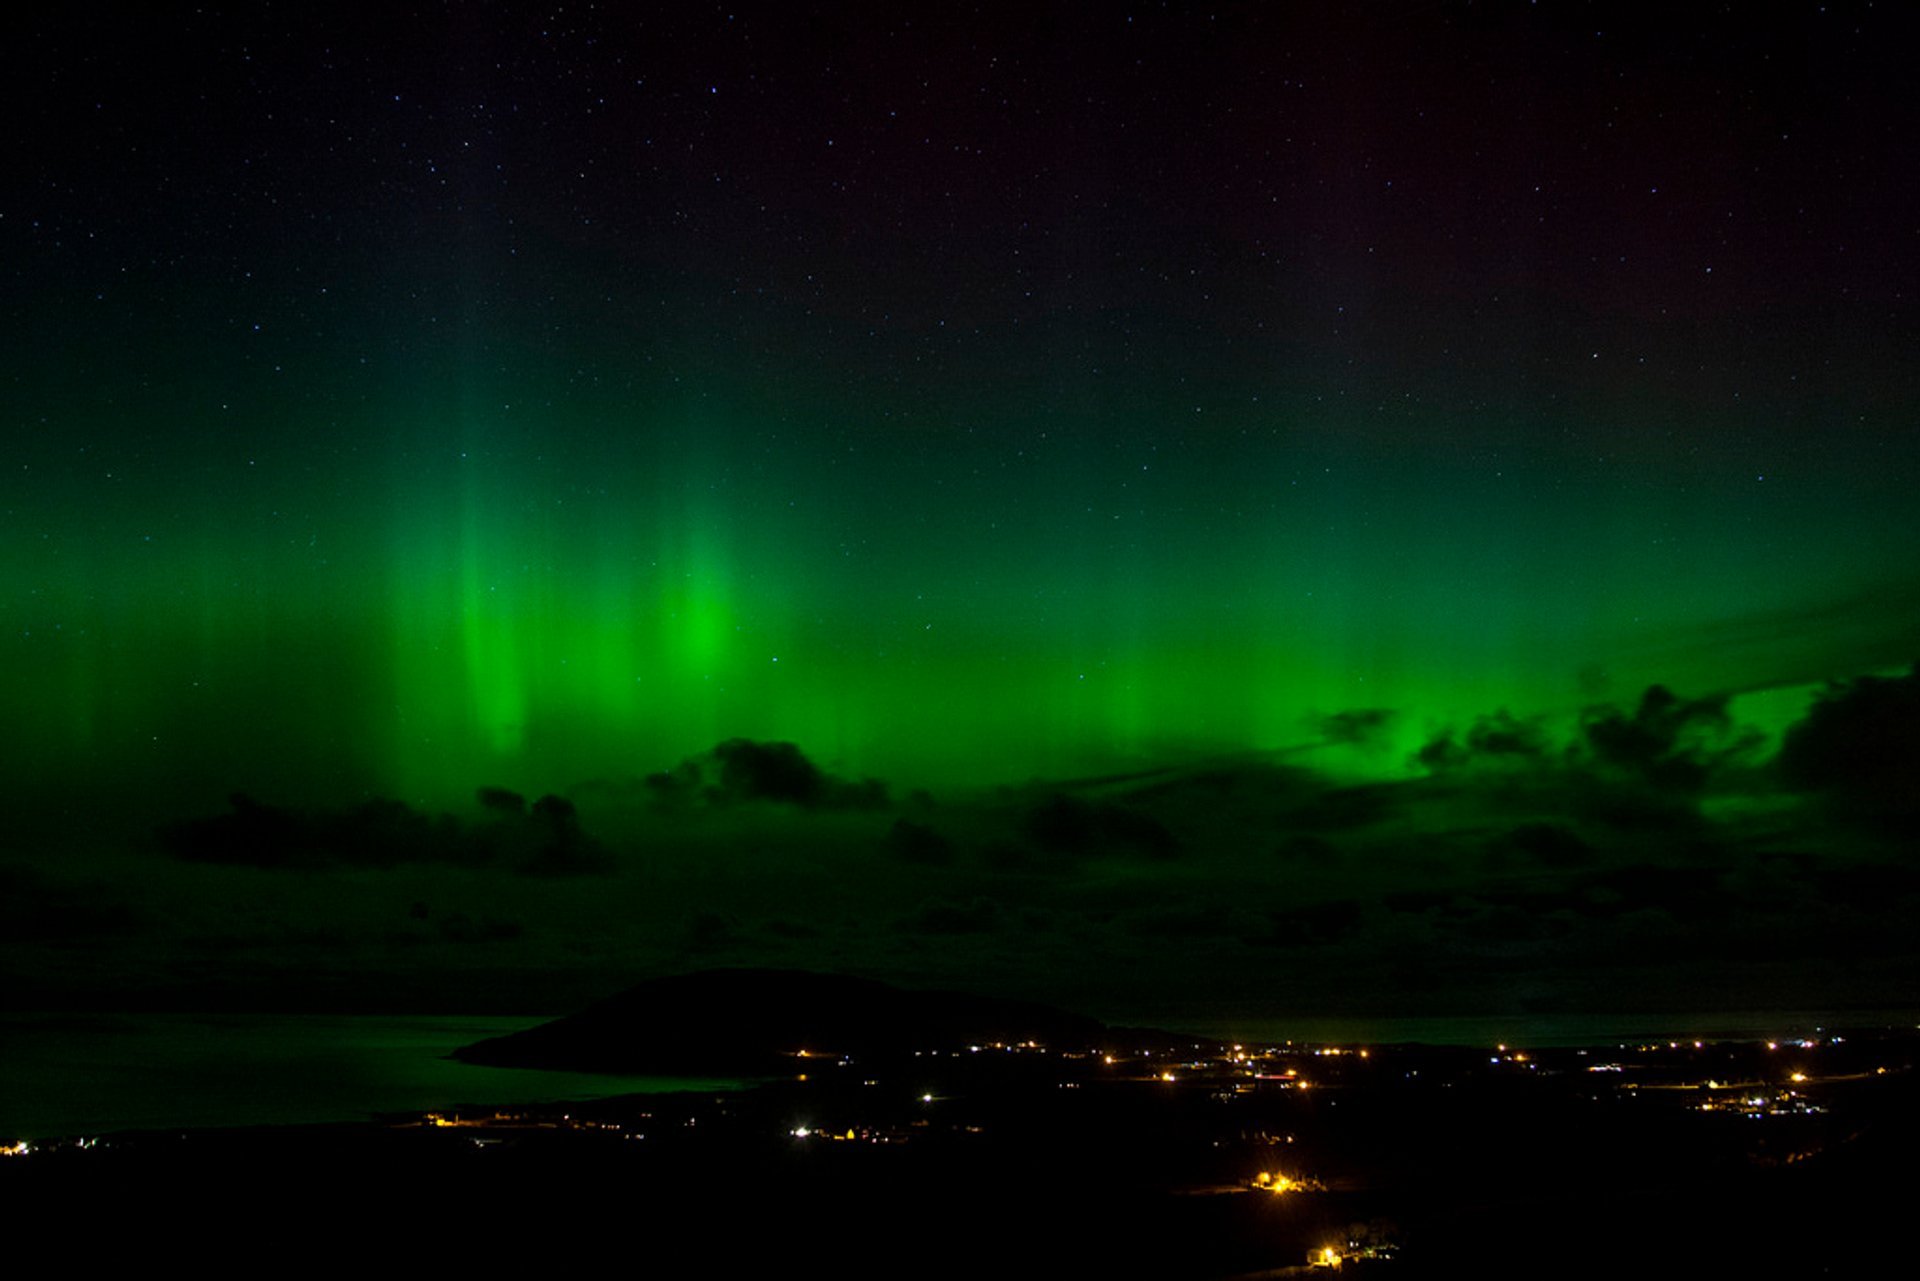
x=756, y=1022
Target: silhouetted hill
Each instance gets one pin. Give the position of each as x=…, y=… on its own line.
x=747, y=1021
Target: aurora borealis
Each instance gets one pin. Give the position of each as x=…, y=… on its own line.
x=494, y=395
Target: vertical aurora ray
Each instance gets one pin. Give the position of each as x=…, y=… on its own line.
x=493, y=617
x=457, y=688
x=1128, y=701
x=598, y=596
x=694, y=621
x=551, y=629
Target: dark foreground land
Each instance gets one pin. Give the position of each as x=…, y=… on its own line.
x=1024, y=1160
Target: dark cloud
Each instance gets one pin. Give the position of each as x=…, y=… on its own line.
x=1506, y=923
x=1365, y=725
x=501, y=800
x=741, y=771
x=711, y=932
x=36, y=908
x=1685, y=893
x=552, y=843
x=1199, y=920
x=385, y=834
x=1642, y=770
x=1669, y=743
x=379, y=833
x=751, y=771
x=1419, y=902
x=1626, y=806
x=911, y=842
x=1339, y=809
x=1069, y=825
x=1551, y=845
x=975, y=916
x=1529, y=861
x=1859, y=747
x=1883, y=621
x=1307, y=849
x=1003, y=855
x=1499, y=738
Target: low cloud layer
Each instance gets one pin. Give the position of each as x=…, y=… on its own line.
x=545, y=840
x=1655, y=852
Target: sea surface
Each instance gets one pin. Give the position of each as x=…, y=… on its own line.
x=67, y=1074
x=1542, y=1031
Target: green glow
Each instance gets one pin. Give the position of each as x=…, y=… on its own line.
x=572, y=598
x=489, y=623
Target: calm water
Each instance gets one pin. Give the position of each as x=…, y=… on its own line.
x=92, y=1074
x=1542, y=1031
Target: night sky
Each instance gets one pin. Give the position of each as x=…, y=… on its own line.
x=1363, y=508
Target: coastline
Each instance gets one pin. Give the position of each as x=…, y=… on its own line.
x=1424, y=1161
x=63, y=1075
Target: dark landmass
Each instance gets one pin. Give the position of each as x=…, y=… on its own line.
x=1022, y=1158
x=753, y=1022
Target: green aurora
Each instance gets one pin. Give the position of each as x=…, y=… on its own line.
x=604, y=591
x=385, y=417
x=1156, y=445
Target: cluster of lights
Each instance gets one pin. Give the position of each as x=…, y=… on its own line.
x=841, y=1136
x=26, y=1147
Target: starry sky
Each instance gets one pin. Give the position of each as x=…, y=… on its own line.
x=1219, y=474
